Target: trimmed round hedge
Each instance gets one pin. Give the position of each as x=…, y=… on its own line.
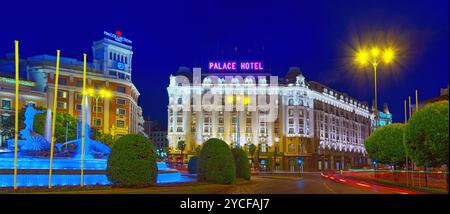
x=242, y=164
x=193, y=164
x=132, y=161
x=216, y=163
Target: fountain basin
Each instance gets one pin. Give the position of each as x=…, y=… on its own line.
x=165, y=174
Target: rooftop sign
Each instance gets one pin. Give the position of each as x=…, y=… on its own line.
x=13, y=81
x=234, y=65
x=117, y=37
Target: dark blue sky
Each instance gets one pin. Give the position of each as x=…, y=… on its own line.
x=313, y=35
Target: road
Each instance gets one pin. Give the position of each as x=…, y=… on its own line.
x=309, y=183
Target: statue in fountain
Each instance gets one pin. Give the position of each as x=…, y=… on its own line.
x=35, y=144
x=30, y=141
x=30, y=113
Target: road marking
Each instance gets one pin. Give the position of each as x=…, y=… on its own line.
x=364, y=185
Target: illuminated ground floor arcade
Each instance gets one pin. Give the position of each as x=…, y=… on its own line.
x=292, y=154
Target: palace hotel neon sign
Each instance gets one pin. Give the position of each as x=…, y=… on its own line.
x=234, y=65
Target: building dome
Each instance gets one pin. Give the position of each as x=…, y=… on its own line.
x=184, y=71
x=291, y=75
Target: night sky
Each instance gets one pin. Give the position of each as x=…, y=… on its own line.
x=313, y=35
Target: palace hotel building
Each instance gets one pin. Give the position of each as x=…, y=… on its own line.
x=113, y=98
x=316, y=127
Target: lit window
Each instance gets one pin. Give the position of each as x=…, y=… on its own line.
x=120, y=89
x=62, y=105
x=120, y=123
x=62, y=94
x=62, y=81
x=79, y=96
x=120, y=111
x=6, y=104
x=97, y=122
x=291, y=102
x=291, y=148
x=120, y=101
x=99, y=109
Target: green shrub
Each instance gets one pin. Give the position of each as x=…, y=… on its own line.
x=216, y=163
x=242, y=164
x=193, y=164
x=132, y=161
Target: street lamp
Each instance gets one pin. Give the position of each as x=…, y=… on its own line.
x=375, y=56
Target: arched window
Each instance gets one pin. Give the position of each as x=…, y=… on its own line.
x=115, y=56
x=180, y=101
x=291, y=102
x=110, y=55
x=126, y=60
x=291, y=148
x=300, y=148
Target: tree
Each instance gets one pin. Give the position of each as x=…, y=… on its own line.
x=197, y=149
x=6, y=127
x=216, y=163
x=105, y=138
x=427, y=135
x=60, y=126
x=132, y=161
x=385, y=144
x=181, y=146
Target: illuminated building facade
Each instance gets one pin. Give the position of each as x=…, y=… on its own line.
x=113, y=98
x=385, y=117
x=315, y=127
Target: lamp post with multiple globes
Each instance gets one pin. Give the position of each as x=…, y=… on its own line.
x=374, y=57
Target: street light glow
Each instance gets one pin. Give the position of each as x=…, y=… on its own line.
x=375, y=52
x=90, y=91
x=362, y=56
x=107, y=94
x=388, y=55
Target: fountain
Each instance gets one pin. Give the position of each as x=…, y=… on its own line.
x=48, y=125
x=33, y=152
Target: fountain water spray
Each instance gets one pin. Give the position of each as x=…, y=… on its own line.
x=48, y=125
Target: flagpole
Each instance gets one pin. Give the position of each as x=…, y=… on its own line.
x=406, y=152
x=16, y=115
x=55, y=100
x=83, y=120
x=417, y=109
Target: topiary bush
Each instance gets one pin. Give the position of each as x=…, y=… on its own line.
x=216, y=163
x=193, y=165
x=132, y=162
x=242, y=164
